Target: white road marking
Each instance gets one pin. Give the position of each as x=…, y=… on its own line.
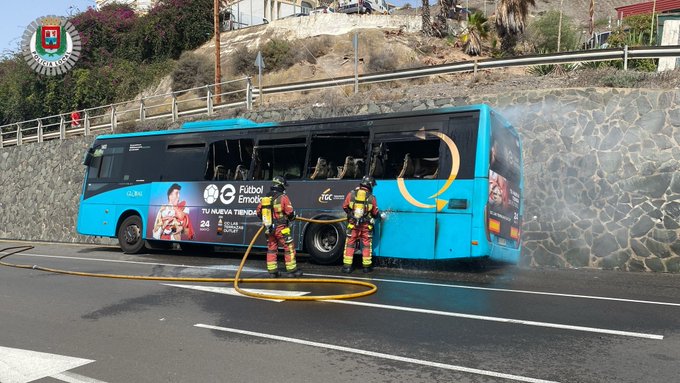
x=232, y=291
x=71, y=377
x=20, y=366
x=502, y=320
x=503, y=290
x=378, y=354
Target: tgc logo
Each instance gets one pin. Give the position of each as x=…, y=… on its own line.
x=325, y=196
x=227, y=194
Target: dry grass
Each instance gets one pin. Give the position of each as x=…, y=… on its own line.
x=611, y=77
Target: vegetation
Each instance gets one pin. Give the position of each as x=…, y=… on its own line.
x=122, y=54
x=427, y=22
x=279, y=54
x=543, y=33
x=477, y=30
x=382, y=61
x=192, y=71
x=511, y=20
x=634, y=32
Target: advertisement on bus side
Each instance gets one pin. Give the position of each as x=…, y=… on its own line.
x=223, y=212
x=504, y=192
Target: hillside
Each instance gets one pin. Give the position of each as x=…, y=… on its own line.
x=323, y=43
x=577, y=10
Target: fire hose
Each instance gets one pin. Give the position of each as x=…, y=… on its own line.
x=371, y=288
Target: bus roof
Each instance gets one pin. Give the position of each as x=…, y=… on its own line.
x=243, y=123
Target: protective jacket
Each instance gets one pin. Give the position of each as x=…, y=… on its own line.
x=361, y=207
x=279, y=234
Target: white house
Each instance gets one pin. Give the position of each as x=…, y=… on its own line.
x=244, y=13
x=140, y=6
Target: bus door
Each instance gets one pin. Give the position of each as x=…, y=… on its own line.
x=455, y=188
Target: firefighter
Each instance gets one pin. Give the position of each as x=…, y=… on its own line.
x=361, y=207
x=276, y=212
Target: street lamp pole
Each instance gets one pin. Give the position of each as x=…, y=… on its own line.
x=218, y=65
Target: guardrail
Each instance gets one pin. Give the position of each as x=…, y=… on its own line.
x=110, y=118
x=173, y=105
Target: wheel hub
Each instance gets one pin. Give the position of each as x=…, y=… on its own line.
x=132, y=234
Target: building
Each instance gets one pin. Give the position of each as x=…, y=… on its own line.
x=646, y=8
x=140, y=6
x=244, y=13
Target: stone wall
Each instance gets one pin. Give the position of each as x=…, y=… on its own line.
x=41, y=186
x=600, y=182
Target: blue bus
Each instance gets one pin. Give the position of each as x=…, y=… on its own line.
x=449, y=180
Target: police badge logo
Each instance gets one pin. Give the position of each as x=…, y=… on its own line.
x=51, y=45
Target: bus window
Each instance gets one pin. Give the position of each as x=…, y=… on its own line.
x=338, y=156
x=279, y=158
x=404, y=157
x=229, y=160
x=184, y=162
x=106, y=166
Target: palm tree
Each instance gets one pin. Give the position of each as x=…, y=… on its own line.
x=476, y=30
x=441, y=28
x=511, y=17
x=427, y=22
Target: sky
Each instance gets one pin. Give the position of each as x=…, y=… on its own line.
x=16, y=15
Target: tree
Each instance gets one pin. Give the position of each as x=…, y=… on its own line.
x=544, y=33
x=427, y=22
x=476, y=30
x=511, y=18
x=440, y=26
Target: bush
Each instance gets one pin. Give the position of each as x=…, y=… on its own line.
x=192, y=71
x=622, y=79
x=278, y=54
x=543, y=33
x=382, y=61
x=314, y=48
x=243, y=62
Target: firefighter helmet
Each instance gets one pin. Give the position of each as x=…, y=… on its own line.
x=279, y=181
x=367, y=182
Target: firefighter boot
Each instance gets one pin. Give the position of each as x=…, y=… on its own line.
x=368, y=269
x=297, y=273
x=347, y=269
x=274, y=274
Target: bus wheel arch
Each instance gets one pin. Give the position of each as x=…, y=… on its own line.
x=325, y=243
x=130, y=232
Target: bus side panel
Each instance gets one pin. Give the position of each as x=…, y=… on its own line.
x=504, y=254
x=453, y=236
x=407, y=235
x=96, y=219
x=479, y=229
x=99, y=215
x=454, y=220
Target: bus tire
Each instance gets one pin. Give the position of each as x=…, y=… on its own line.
x=130, y=236
x=325, y=243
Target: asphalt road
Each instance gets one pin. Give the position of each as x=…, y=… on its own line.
x=500, y=324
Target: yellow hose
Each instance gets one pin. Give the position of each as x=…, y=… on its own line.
x=371, y=287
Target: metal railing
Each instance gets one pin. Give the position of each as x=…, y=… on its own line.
x=112, y=117
x=183, y=103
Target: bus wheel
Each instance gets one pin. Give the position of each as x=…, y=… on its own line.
x=130, y=235
x=325, y=242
